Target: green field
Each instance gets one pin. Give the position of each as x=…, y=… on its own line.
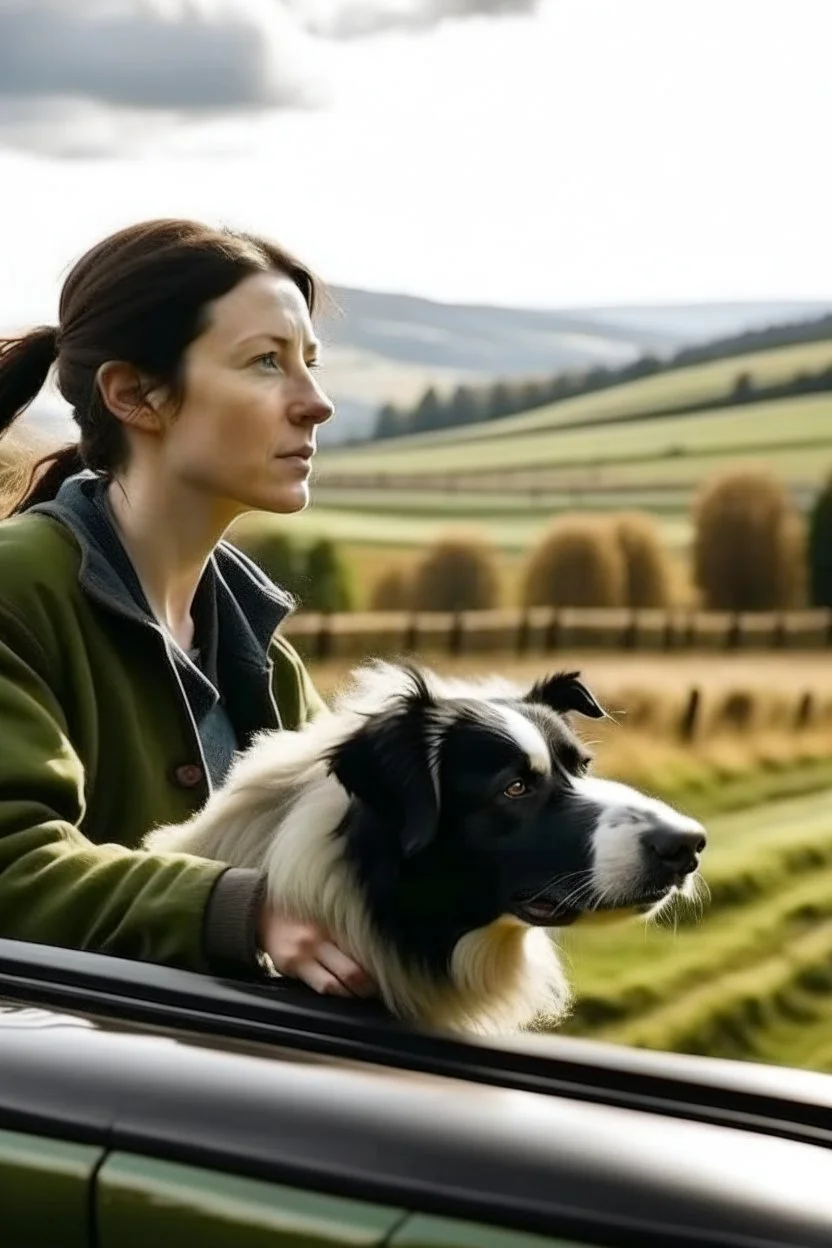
x=391, y=527
x=752, y=978
x=651, y=444
x=710, y=382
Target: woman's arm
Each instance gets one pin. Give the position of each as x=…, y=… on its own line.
x=56, y=886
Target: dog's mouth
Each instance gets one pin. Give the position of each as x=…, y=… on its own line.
x=547, y=909
x=544, y=910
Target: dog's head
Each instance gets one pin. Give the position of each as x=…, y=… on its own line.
x=480, y=799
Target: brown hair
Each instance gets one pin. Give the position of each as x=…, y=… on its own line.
x=139, y=296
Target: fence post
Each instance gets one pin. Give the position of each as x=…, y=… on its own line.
x=324, y=644
x=456, y=636
x=805, y=711
x=523, y=634
x=732, y=637
x=690, y=716
x=552, y=640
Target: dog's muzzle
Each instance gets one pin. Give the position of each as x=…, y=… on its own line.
x=637, y=851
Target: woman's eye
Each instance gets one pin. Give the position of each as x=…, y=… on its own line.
x=269, y=362
x=517, y=788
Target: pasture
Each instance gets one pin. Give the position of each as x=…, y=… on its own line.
x=708, y=383
x=794, y=423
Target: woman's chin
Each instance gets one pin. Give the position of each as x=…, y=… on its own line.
x=283, y=502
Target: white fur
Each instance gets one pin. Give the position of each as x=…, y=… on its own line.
x=276, y=812
x=616, y=840
x=529, y=737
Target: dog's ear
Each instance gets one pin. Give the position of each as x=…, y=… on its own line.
x=385, y=765
x=565, y=692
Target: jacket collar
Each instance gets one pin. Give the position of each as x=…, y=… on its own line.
x=233, y=591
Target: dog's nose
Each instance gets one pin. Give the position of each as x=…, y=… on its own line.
x=677, y=848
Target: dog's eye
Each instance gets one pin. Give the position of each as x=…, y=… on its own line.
x=517, y=788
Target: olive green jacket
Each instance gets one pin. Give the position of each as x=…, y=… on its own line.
x=99, y=743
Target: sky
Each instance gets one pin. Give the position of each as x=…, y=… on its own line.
x=555, y=153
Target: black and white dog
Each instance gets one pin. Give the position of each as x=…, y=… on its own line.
x=437, y=828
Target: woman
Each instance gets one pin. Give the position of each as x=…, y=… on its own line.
x=138, y=650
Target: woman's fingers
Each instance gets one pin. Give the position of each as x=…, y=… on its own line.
x=353, y=977
x=304, y=951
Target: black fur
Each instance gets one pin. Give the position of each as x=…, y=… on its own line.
x=440, y=853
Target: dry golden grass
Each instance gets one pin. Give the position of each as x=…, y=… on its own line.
x=747, y=732
x=19, y=451
x=660, y=676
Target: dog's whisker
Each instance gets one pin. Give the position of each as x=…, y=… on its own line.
x=558, y=879
x=578, y=895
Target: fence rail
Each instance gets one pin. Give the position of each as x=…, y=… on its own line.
x=544, y=630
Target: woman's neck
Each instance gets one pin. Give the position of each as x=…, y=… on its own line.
x=169, y=531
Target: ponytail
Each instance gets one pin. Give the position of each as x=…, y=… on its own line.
x=24, y=367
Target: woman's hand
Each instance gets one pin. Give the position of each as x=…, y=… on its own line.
x=305, y=951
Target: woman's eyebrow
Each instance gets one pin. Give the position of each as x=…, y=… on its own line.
x=312, y=345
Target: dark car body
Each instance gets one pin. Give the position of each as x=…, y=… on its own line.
x=145, y=1106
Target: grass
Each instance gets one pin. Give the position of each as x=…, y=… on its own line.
x=717, y=433
x=479, y=504
x=393, y=528
x=695, y=383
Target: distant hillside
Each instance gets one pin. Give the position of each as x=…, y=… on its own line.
x=496, y=404
x=390, y=347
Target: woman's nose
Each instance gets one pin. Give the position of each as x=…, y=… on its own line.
x=313, y=407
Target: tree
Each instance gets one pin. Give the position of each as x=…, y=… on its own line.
x=743, y=388
x=532, y=394
x=748, y=544
x=391, y=592
x=819, y=548
x=499, y=402
x=465, y=408
x=428, y=413
x=327, y=585
x=458, y=573
x=277, y=555
x=389, y=422
x=577, y=563
x=648, y=570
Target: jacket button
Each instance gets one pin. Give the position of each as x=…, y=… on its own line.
x=189, y=775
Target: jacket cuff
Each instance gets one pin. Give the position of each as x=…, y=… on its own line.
x=230, y=927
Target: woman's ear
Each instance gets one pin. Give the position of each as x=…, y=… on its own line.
x=129, y=396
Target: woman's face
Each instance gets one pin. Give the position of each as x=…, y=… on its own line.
x=245, y=431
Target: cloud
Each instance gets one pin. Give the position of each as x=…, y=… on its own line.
x=97, y=77
x=99, y=63
x=349, y=19
x=176, y=55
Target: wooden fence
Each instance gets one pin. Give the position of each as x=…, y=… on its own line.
x=544, y=630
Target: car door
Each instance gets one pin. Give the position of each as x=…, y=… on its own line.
x=44, y=1189
x=143, y=1201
